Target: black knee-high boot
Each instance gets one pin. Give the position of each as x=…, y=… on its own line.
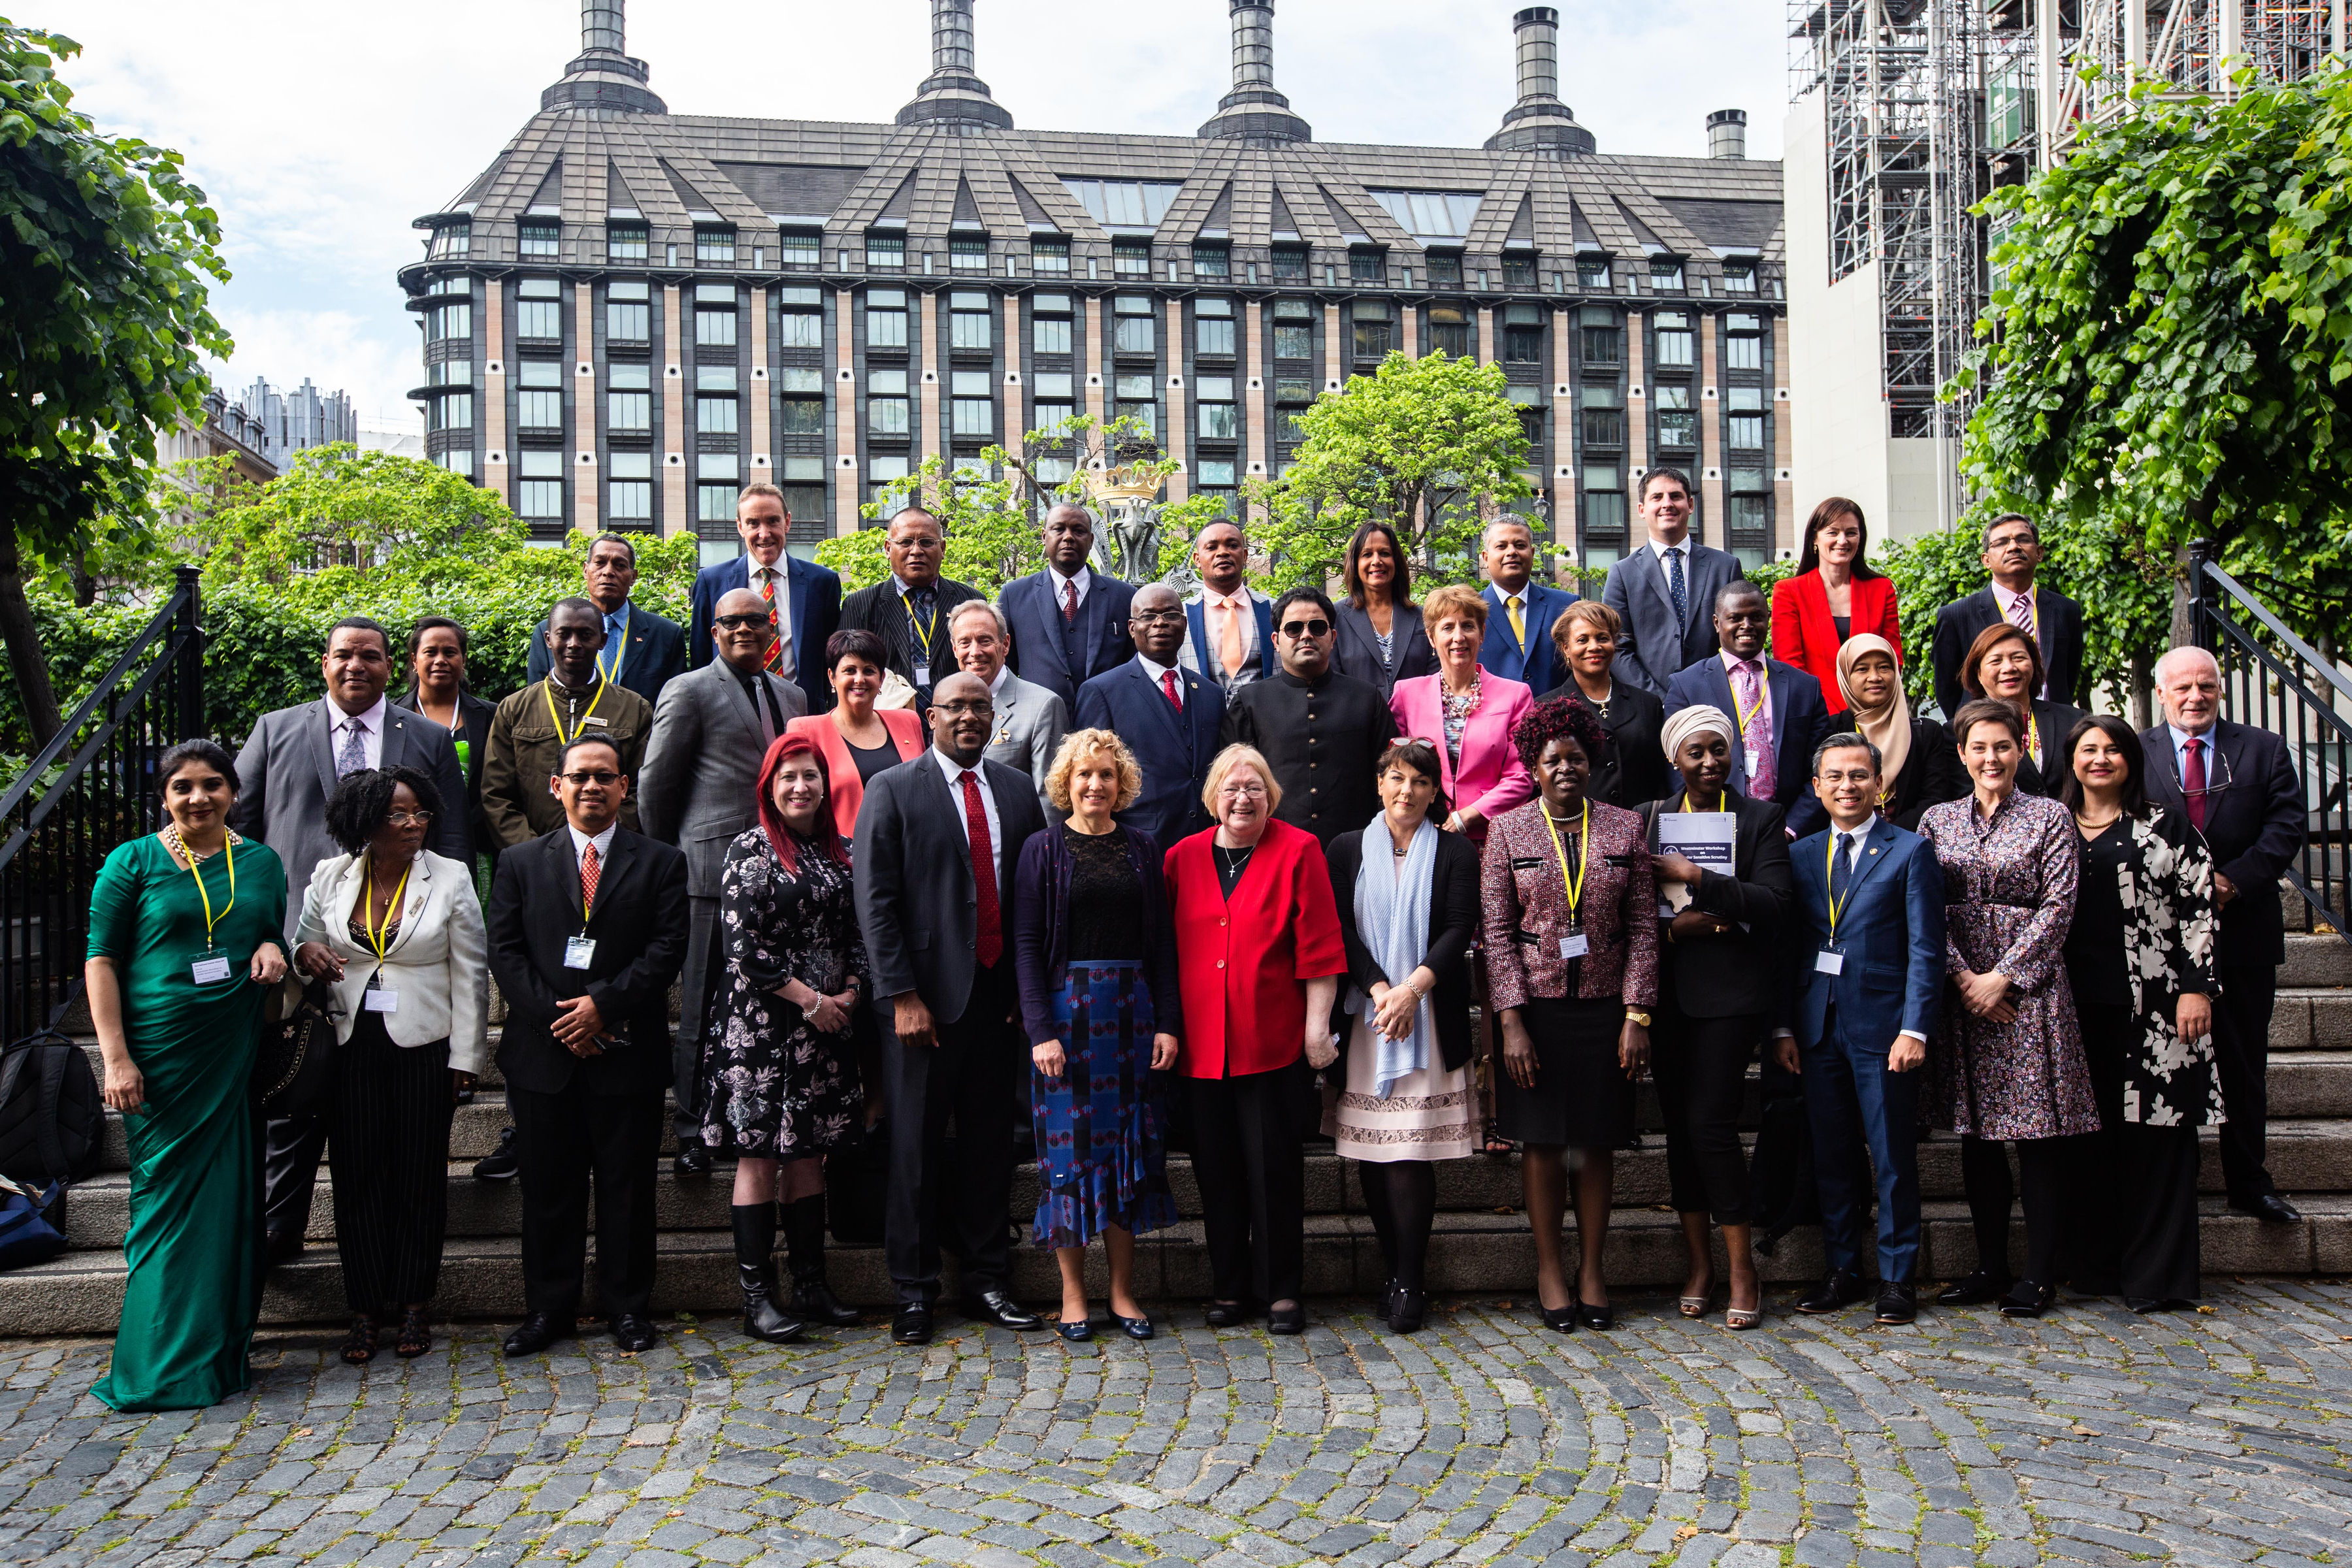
x=755, y=1246
x=813, y=1298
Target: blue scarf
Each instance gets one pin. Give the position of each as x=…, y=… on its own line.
x=1392, y=901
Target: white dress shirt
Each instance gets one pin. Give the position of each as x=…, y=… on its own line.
x=1082, y=581
x=954, y=771
x=1160, y=673
x=580, y=842
x=338, y=728
x=1210, y=660
x=781, y=572
x=1659, y=548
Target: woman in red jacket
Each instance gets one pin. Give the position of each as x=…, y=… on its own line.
x=1834, y=596
x=1258, y=961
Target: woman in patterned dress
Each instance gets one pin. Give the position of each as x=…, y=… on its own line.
x=2010, y=1066
x=780, y=1073
x=1096, y=954
x=2140, y=959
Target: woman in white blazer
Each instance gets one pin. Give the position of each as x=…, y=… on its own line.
x=398, y=930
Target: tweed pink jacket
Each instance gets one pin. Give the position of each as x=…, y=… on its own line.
x=1491, y=779
x=1526, y=901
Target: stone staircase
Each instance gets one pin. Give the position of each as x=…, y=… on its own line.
x=1480, y=1241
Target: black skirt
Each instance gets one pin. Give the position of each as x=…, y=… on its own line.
x=1582, y=1097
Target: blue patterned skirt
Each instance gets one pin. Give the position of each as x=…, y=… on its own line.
x=1102, y=1154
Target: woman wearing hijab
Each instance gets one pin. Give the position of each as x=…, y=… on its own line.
x=1918, y=765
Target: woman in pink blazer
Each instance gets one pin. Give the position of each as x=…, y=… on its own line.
x=1835, y=594
x=858, y=739
x=1468, y=714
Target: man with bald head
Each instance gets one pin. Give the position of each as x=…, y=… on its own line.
x=1168, y=717
x=2238, y=786
x=1068, y=621
x=1229, y=630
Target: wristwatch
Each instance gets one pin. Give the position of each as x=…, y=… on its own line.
x=1636, y=1015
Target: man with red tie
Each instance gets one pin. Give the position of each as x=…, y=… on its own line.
x=1168, y=716
x=937, y=839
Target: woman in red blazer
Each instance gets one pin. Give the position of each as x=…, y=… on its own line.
x=858, y=739
x=1835, y=594
x=1258, y=961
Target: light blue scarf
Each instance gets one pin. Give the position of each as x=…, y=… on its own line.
x=1392, y=901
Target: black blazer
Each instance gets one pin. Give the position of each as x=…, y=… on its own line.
x=1958, y=623
x=1634, y=770
x=656, y=653
x=2255, y=826
x=1358, y=650
x=474, y=716
x=639, y=925
x=1931, y=774
x=2045, y=774
x=1453, y=922
x=1739, y=971
x=882, y=610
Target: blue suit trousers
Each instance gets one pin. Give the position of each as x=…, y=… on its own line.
x=1855, y=1102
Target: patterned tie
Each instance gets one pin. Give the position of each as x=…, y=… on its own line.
x=1842, y=869
x=591, y=870
x=1069, y=603
x=2192, y=780
x=1754, y=718
x=767, y=575
x=352, y=758
x=1168, y=685
x=1677, y=588
x=990, y=936
x=1518, y=622
x=616, y=646
x=2020, y=612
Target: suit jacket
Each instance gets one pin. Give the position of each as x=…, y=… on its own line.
x=1798, y=725
x=1634, y=770
x=472, y=736
x=847, y=791
x=1805, y=634
x=1358, y=650
x=2254, y=825
x=1490, y=779
x=656, y=655
x=916, y=903
x=1535, y=663
x=1738, y=972
x=1654, y=647
x=1452, y=932
x=882, y=610
x=1890, y=929
x=1931, y=772
x=525, y=746
x=1196, y=637
x=287, y=771
x=1174, y=750
x=1030, y=724
x=1957, y=624
x=815, y=608
x=436, y=963
x=701, y=782
x=1028, y=606
x=639, y=925
x=2043, y=773
x=1524, y=902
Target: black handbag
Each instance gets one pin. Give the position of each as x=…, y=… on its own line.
x=52, y=1118
x=296, y=1060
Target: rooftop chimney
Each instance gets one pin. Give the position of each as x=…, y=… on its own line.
x=952, y=94
x=1727, y=134
x=1539, y=121
x=1254, y=110
x=604, y=76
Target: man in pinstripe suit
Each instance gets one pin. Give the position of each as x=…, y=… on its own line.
x=908, y=611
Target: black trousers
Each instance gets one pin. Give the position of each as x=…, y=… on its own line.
x=2043, y=1165
x=563, y=1138
x=390, y=1154
x=289, y=1166
x=1252, y=1172
x=2132, y=1188
x=2241, y=1060
x=958, y=1195
x=706, y=951
x=1701, y=1067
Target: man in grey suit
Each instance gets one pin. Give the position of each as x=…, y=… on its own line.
x=937, y=839
x=289, y=766
x=1030, y=719
x=1665, y=592
x=698, y=790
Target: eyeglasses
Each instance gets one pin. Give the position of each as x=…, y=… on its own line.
x=977, y=708
x=744, y=622
x=599, y=777
x=1241, y=791
x=407, y=818
x=1146, y=616
x=1296, y=629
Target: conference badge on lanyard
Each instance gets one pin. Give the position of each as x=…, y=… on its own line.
x=1831, y=959
x=1574, y=943
x=213, y=967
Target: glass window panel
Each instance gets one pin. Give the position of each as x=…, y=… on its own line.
x=973, y=416
x=715, y=378
x=625, y=243
x=888, y=382
x=1049, y=256
x=1600, y=345
x=1372, y=340
x=1741, y=352
x=626, y=323
x=1214, y=388
x=1294, y=389
x=1130, y=260
x=885, y=329
x=1592, y=272
x=1216, y=473
x=1674, y=349
x=1220, y=421
x=1133, y=386
x=1602, y=476
x=886, y=415
x=540, y=499
x=714, y=416
x=1665, y=272
x=714, y=329
x=1430, y=215
x=630, y=466
x=886, y=250
x=803, y=416
x=541, y=465
x=715, y=245
x=800, y=330
x=1293, y=342
x=967, y=255
x=1136, y=335
x=1744, y=399
x=629, y=411
x=1051, y=335
x=1052, y=384
x=541, y=319
x=1745, y=432
x=800, y=378
x=1212, y=261
x=1125, y=203
x=970, y=384
x=797, y=249
x=1213, y=337
x=1677, y=428
x=539, y=373
x=539, y=410
x=970, y=330
x=1604, y=427
x=1672, y=398
x=629, y=501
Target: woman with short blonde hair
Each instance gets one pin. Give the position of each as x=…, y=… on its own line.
x=1466, y=714
x=1225, y=762
x=1082, y=746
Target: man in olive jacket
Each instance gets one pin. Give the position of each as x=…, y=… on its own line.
x=532, y=728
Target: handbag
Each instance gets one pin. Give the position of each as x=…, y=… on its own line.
x=295, y=1063
x=32, y=1223
x=52, y=1120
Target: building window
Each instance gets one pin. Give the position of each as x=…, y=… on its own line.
x=454, y=412
x=449, y=372
x=885, y=403
x=1744, y=427
x=1125, y=203
x=1677, y=424
x=451, y=241
x=628, y=399
x=1133, y=331
x=1739, y=277
x=796, y=249
x=1603, y=414
x=1130, y=259
x=1216, y=478
x=1523, y=334
x=1055, y=403
x=967, y=256
x=714, y=248
x=1289, y=264
x=450, y=323
x=460, y=461
x=539, y=496
x=714, y=329
x=1293, y=329
x=1050, y=332
x=885, y=318
x=628, y=313
x=1368, y=267
x=802, y=390
x=1667, y=274
x=804, y=488
x=624, y=242
x=1519, y=269
x=1291, y=396
x=1215, y=393
x=969, y=328
x=539, y=321
x=1212, y=262
x=714, y=403
x=1743, y=342
x=801, y=318
x=1213, y=327
x=629, y=487
x=1602, y=341
x=1446, y=270
x=1592, y=272
x=1375, y=334
x=885, y=252
x=1136, y=400
x=1449, y=332
x=1673, y=340
x=1049, y=256
x=971, y=412
x=539, y=405
x=1604, y=511
x=538, y=241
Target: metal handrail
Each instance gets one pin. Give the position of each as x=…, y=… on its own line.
x=2278, y=628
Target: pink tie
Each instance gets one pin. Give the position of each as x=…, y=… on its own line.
x=2020, y=612
x=1756, y=730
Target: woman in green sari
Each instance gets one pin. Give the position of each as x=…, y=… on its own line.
x=185, y=933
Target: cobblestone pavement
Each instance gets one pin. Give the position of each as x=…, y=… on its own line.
x=2216, y=1437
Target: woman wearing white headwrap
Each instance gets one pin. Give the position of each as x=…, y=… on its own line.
x=1918, y=764
x=1408, y=901
x=1718, y=961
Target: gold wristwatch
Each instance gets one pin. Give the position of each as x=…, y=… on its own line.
x=1636, y=1015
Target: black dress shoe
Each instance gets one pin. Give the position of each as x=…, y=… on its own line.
x=2028, y=1299
x=1407, y=1310
x=912, y=1325
x=1226, y=1314
x=1077, y=1333
x=2268, y=1208
x=1134, y=1328
x=1561, y=1320
x=538, y=1331
x=1286, y=1319
x=1600, y=1319
x=2144, y=1305
x=1974, y=1291
x=501, y=1164
x=632, y=1332
x=996, y=1307
x=281, y=1246
x=1840, y=1290
x=1897, y=1303
x=691, y=1160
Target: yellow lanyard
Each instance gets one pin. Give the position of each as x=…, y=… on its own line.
x=547, y=689
x=923, y=633
x=1763, y=695
x=228, y=852
x=1575, y=885
x=1829, y=875
x=380, y=940
x=1722, y=801
x=2033, y=735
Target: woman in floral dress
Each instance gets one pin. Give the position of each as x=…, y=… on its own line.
x=780, y=1073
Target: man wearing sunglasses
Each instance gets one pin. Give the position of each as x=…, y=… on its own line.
x=1322, y=731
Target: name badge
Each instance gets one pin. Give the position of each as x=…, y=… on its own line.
x=922, y=675
x=592, y=718
x=1574, y=945
x=1829, y=961
x=210, y=970
x=379, y=1001
x=579, y=953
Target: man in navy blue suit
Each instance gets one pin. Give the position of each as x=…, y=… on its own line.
x=641, y=650
x=1168, y=717
x=1519, y=613
x=1777, y=706
x=1868, y=976
x=1069, y=622
x=804, y=597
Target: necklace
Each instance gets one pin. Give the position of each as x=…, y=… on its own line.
x=180, y=846
x=1240, y=857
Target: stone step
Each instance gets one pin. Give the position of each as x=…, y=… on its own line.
x=2319, y=961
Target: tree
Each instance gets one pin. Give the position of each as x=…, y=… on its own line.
x=1422, y=445
x=103, y=326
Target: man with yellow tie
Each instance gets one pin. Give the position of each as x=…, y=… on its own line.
x=1229, y=626
x=1520, y=610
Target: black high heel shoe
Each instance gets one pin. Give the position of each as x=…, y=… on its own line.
x=359, y=1345
x=1561, y=1320
x=1407, y=1310
x=1600, y=1319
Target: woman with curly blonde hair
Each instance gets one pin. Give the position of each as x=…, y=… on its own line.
x=1096, y=954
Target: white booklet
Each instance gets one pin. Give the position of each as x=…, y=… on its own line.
x=1704, y=838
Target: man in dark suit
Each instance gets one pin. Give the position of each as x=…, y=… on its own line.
x=1320, y=730
x=1229, y=625
x=937, y=839
x=2012, y=550
x=1663, y=592
x=1778, y=707
x=2239, y=787
x=908, y=609
x=1170, y=717
x=289, y=768
x=804, y=596
x=1519, y=612
x=587, y=927
x=1868, y=960
x=641, y=650
x=1069, y=621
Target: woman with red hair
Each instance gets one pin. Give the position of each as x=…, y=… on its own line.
x=779, y=1072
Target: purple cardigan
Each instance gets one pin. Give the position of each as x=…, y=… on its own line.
x=1041, y=937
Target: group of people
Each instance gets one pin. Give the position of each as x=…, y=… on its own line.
x=887, y=845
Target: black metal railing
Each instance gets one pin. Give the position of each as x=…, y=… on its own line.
x=91, y=788
x=2273, y=680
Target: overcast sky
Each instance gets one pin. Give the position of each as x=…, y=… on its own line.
x=320, y=132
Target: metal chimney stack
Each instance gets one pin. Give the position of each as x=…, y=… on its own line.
x=603, y=77
x=1254, y=110
x=1727, y=134
x=601, y=27
x=1539, y=121
x=953, y=94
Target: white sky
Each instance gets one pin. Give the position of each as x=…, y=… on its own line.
x=320, y=132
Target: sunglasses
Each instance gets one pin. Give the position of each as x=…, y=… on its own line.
x=744, y=622
x=1313, y=628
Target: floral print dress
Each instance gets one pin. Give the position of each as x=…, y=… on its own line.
x=776, y=1087
x=2170, y=924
